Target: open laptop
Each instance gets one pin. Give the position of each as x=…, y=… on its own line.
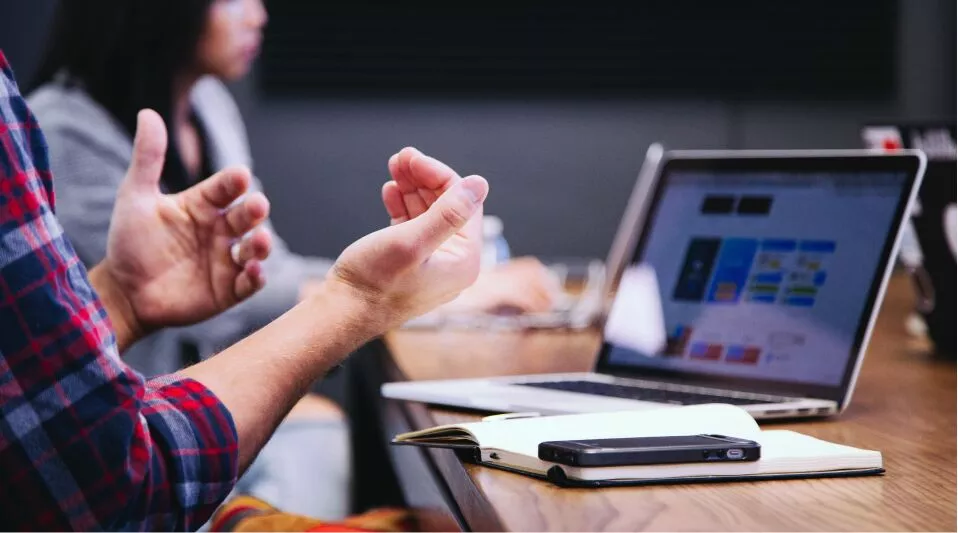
x=579, y=309
x=768, y=267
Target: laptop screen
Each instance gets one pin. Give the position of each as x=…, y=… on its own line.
x=760, y=274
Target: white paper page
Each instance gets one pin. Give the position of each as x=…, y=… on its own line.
x=783, y=452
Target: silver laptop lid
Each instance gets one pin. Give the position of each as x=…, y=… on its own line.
x=769, y=268
x=623, y=245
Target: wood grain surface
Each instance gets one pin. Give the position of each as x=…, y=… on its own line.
x=904, y=406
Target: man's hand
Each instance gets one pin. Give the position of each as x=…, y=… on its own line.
x=429, y=254
x=170, y=258
x=523, y=285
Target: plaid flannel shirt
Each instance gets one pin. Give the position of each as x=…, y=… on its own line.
x=85, y=442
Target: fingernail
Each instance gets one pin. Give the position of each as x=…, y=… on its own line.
x=473, y=197
x=475, y=188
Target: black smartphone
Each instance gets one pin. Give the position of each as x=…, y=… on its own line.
x=649, y=450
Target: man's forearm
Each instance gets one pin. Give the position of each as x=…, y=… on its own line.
x=125, y=324
x=260, y=378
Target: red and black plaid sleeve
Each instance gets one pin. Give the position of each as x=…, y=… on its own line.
x=85, y=443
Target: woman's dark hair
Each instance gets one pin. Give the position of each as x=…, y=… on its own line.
x=126, y=55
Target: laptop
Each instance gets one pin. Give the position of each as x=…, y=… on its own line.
x=767, y=268
x=579, y=309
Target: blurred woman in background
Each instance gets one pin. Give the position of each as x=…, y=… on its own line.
x=106, y=60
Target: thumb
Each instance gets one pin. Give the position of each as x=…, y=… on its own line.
x=449, y=214
x=149, y=150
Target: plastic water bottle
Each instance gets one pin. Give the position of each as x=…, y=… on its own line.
x=495, y=249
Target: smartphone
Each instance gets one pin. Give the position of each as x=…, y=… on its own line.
x=649, y=450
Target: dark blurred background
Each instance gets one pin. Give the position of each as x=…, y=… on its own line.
x=554, y=102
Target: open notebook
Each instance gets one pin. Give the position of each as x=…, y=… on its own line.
x=512, y=444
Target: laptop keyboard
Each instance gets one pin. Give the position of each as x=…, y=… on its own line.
x=645, y=394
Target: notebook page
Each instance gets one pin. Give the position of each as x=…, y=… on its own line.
x=783, y=452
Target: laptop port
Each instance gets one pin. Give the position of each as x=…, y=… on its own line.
x=777, y=412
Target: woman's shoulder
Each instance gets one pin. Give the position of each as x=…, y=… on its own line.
x=212, y=98
x=68, y=113
x=217, y=109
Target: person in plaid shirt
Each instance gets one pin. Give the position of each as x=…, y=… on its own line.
x=85, y=442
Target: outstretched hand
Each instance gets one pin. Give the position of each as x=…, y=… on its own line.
x=431, y=251
x=175, y=259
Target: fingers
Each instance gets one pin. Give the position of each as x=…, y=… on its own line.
x=534, y=274
x=533, y=294
x=248, y=255
x=428, y=196
x=428, y=172
x=539, y=300
x=395, y=206
x=399, y=170
x=221, y=189
x=255, y=246
x=542, y=284
x=248, y=214
x=522, y=285
x=415, y=205
x=149, y=151
x=449, y=214
x=250, y=280
x=527, y=302
x=420, y=178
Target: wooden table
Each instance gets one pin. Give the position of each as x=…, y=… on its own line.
x=904, y=406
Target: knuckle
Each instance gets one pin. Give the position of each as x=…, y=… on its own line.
x=452, y=216
x=244, y=215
